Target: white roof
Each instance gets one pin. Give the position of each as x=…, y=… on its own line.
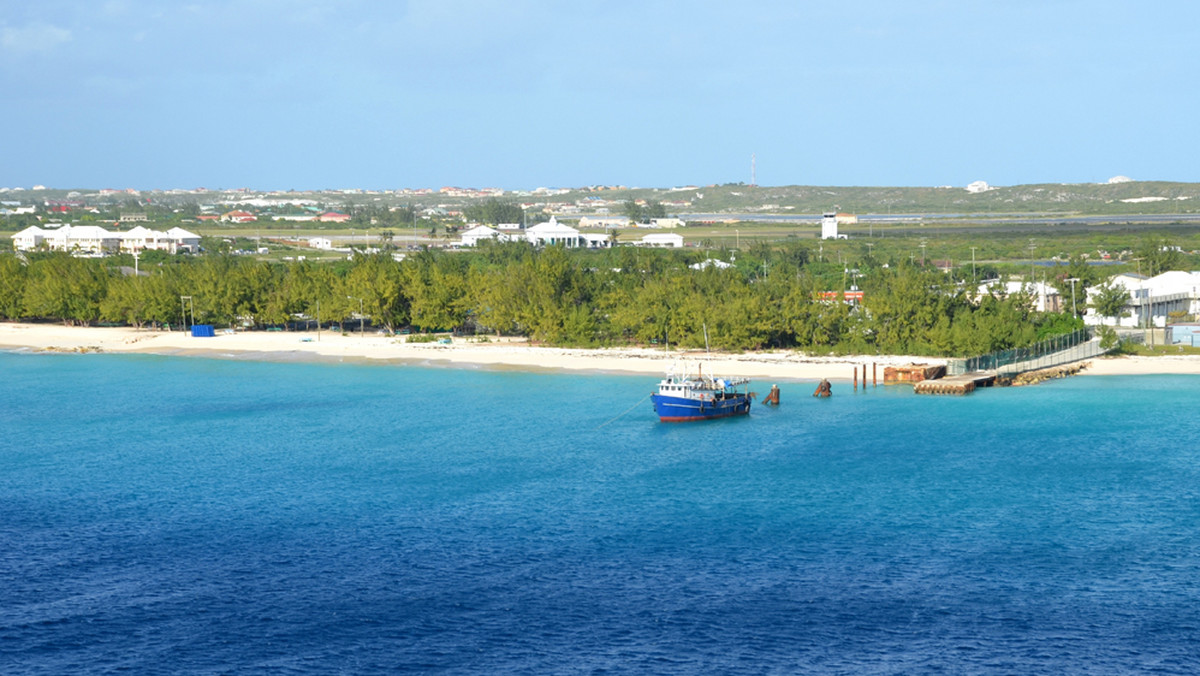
x=481, y=231
x=87, y=232
x=140, y=231
x=552, y=228
x=31, y=230
x=180, y=233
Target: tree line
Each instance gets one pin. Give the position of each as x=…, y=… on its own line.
x=772, y=297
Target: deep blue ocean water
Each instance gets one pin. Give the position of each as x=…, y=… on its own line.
x=179, y=515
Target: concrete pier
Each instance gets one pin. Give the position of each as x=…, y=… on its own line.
x=964, y=384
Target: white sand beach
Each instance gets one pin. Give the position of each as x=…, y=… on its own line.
x=332, y=346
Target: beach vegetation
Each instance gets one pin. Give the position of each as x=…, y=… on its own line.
x=786, y=296
x=12, y=286
x=60, y=286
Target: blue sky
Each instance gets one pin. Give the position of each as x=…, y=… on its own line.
x=315, y=94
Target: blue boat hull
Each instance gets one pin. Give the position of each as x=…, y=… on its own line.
x=680, y=409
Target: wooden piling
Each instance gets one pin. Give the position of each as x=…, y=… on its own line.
x=855, y=378
x=874, y=375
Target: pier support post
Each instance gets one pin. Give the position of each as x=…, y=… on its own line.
x=855, y=378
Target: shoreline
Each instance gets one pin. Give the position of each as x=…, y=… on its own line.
x=500, y=354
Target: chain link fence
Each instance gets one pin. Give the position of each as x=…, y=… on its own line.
x=1054, y=351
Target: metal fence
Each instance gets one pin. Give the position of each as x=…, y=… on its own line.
x=1054, y=351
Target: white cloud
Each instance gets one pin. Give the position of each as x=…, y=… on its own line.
x=33, y=38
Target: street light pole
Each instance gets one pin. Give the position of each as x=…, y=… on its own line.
x=1072, y=280
x=973, y=263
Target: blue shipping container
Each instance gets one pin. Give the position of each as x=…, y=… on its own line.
x=203, y=331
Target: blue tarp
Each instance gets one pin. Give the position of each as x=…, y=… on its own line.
x=203, y=331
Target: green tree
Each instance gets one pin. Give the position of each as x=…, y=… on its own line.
x=60, y=286
x=1158, y=255
x=1110, y=300
x=1085, y=276
x=633, y=211
x=12, y=286
x=493, y=211
x=376, y=280
x=127, y=301
x=436, y=284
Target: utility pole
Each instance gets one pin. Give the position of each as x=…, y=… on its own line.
x=1032, y=246
x=1072, y=280
x=973, y=263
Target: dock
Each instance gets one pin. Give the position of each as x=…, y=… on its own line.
x=962, y=384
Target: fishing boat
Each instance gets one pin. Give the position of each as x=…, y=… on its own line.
x=684, y=397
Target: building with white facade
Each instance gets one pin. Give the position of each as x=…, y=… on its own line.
x=172, y=241
x=1151, y=299
x=93, y=239
x=553, y=232
x=663, y=241
x=480, y=233
x=88, y=239
x=829, y=226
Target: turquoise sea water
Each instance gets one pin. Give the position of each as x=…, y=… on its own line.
x=174, y=515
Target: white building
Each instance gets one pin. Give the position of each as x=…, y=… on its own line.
x=553, y=232
x=93, y=239
x=665, y=240
x=1151, y=299
x=479, y=233
x=829, y=226
x=184, y=240
x=595, y=240
x=29, y=239
x=667, y=223
x=172, y=241
x=320, y=243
